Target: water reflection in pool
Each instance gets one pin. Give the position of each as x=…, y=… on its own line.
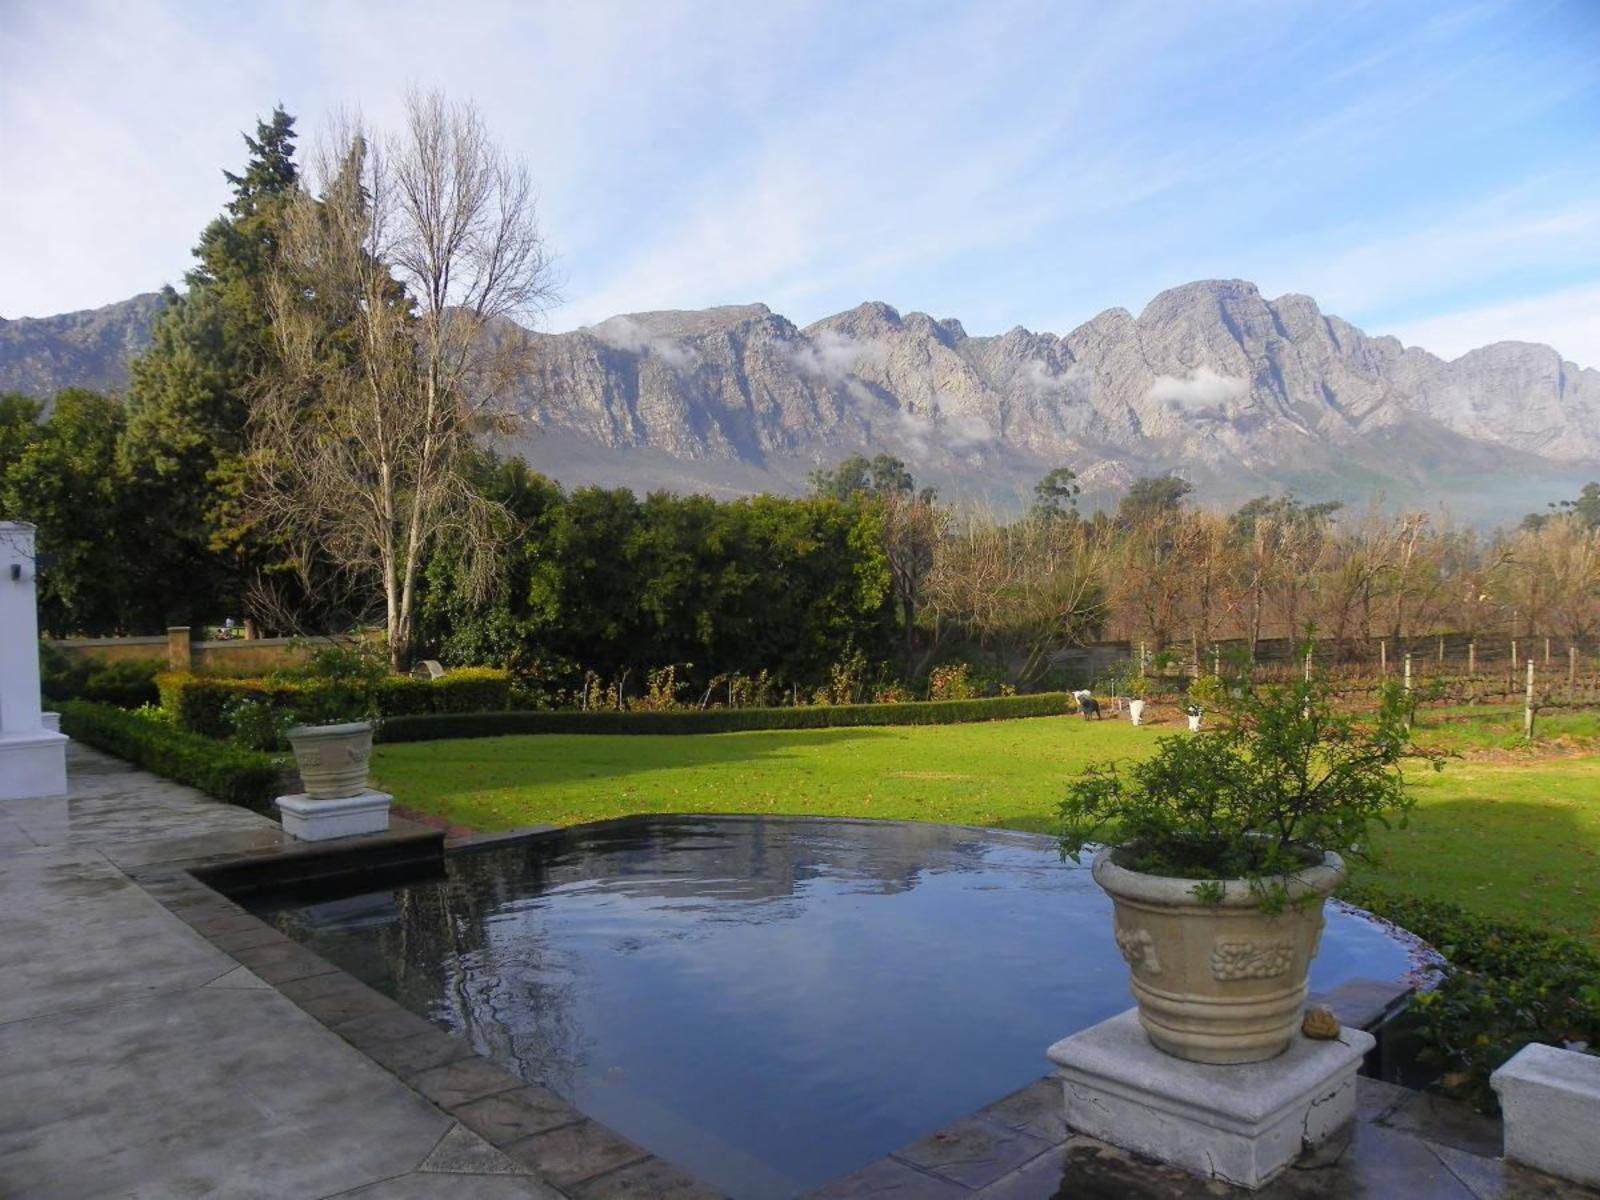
x=768, y=1002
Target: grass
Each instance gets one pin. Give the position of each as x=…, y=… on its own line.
x=1500, y=831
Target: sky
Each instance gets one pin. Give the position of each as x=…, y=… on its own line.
x=1426, y=170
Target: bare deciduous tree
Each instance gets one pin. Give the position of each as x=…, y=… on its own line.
x=394, y=307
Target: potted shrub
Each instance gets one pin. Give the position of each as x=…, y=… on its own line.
x=1204, y=693
x=1138, y=692
x=1226, y=844
x=338, y=705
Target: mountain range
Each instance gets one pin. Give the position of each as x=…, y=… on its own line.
x=1240, y=394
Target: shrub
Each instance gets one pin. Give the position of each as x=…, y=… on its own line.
x=1282, y=779
x=952, y=682
x=126, y=683
x=202, y=703
x=221, y=771
x=719, y=720
x=199, y=703
x=1506, y=985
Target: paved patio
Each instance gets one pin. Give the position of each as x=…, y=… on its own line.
x=158, y=1041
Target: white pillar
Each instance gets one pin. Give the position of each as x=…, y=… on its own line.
x=33, y=759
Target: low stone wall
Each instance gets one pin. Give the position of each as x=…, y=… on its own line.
x=181, y=652
x=118, y=649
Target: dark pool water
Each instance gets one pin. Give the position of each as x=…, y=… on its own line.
x=767, y=1002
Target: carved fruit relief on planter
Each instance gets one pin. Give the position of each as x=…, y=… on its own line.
x=1138, y=950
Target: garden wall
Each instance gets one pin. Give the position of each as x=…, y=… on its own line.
x=183, y=652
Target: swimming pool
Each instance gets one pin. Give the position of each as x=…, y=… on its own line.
x=768, y=1002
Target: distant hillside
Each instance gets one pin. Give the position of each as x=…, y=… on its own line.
x=92, y=348
x=1239, y=394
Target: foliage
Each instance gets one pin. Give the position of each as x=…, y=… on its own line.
x=1152, y=497
x=124, y=683
x=1506, y=985
x=858, y=476
x=209, y=704
x=65, y=478
x=719, y=720
x=392, y=305
x=1282, y=778
x=1586, y=508
x=258, y=724
x=182, y=454
x=953, y=681
x=1056, y=495
x=617, y=583
x=223, y=772
x=339, y=682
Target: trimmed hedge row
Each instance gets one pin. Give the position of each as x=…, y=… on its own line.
x=721, y=720
x=125, y=684
x=199, y=703
x=1506, y=985
x=233, y=776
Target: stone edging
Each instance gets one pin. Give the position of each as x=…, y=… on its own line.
x=534, y=1127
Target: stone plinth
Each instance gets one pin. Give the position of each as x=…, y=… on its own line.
x=1243, y=1124
x=1550, y=1099
x=33, y=759
x=320, y=820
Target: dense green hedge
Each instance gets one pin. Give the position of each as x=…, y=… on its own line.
x=199, y=703
x=216, y=768
x=126, y=684
x=721, y=720
x=1506, y=985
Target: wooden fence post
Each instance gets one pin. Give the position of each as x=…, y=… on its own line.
x=1441, y=650
x=1408, y=672
x=1547, y=652
x=1527, y=710
x=1383, y=658
x=1472, y=658
x=1572, y=666
x=1513, y=654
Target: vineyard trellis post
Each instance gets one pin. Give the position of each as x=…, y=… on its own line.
x=1527, y=710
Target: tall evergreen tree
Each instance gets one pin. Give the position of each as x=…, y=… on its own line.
x=187, y=408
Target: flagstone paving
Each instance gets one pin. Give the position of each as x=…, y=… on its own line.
x=158, y=1041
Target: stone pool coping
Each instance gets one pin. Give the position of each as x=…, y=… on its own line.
x=529, y=1125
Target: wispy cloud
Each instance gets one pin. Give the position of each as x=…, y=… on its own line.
x=1199, y=391
x=624, y=333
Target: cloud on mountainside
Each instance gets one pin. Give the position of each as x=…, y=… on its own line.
x=832, y=357
x=624, y=333
x=924, y=434
x=1200, y=391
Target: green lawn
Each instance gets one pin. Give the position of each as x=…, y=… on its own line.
x=1518, y=838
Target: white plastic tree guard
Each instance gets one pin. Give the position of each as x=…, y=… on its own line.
x=33, y=759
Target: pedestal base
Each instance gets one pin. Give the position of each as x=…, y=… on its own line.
x=1242, y=1124
x=33, y=766
x=1551, y=1102
x=349, y=816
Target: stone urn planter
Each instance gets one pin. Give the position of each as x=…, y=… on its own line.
x=332, y=758
x=1217, y=981
x=1136, y=711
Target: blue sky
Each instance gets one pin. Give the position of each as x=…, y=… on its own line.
x=1431, y=171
